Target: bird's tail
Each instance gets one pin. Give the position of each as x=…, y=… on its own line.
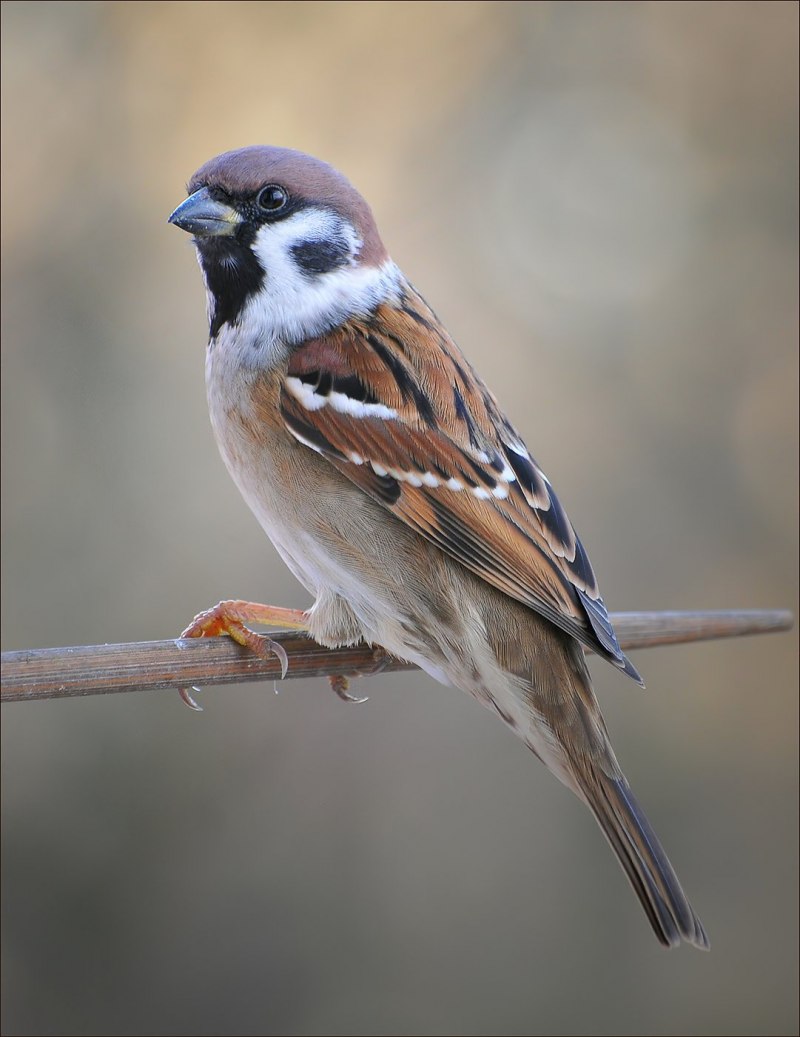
x=550, y=704
x=585, y=761
x=642, y=858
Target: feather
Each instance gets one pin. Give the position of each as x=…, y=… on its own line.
x=391, y=397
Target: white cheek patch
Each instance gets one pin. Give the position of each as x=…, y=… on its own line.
x=294, y=305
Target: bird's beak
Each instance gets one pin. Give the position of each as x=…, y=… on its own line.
x=205, y=217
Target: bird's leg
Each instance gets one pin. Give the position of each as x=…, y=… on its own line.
x=231, y=614
x=229, y=617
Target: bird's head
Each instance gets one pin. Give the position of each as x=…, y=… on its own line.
x=288, y=247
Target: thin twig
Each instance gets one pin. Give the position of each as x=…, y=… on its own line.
x=51, y=673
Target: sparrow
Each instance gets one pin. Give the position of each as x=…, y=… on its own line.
x=393, y=486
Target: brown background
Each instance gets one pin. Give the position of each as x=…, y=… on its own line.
x=600, y=201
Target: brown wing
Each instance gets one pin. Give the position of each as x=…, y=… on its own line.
x=393, y=404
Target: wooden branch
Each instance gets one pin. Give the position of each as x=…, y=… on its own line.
x=52, y=673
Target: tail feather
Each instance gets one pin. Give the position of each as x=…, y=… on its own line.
x=551, y=705
x=642, y=857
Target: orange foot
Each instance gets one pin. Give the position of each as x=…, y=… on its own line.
x=229, y=617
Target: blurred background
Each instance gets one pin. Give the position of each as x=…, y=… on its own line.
x=599, y=199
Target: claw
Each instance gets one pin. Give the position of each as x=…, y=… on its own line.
x=280, y=651
x=228, y=617
x=188, y=700
x=340, y=684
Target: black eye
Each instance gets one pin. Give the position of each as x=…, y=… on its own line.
x=271, y=198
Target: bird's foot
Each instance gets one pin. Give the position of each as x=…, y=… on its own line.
x=229, y=617
x=341, y=684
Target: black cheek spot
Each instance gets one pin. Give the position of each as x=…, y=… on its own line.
x=320, y=257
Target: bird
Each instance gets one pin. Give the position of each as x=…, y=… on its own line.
x=394, y=487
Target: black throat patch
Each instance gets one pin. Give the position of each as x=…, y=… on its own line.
x=233, y=274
